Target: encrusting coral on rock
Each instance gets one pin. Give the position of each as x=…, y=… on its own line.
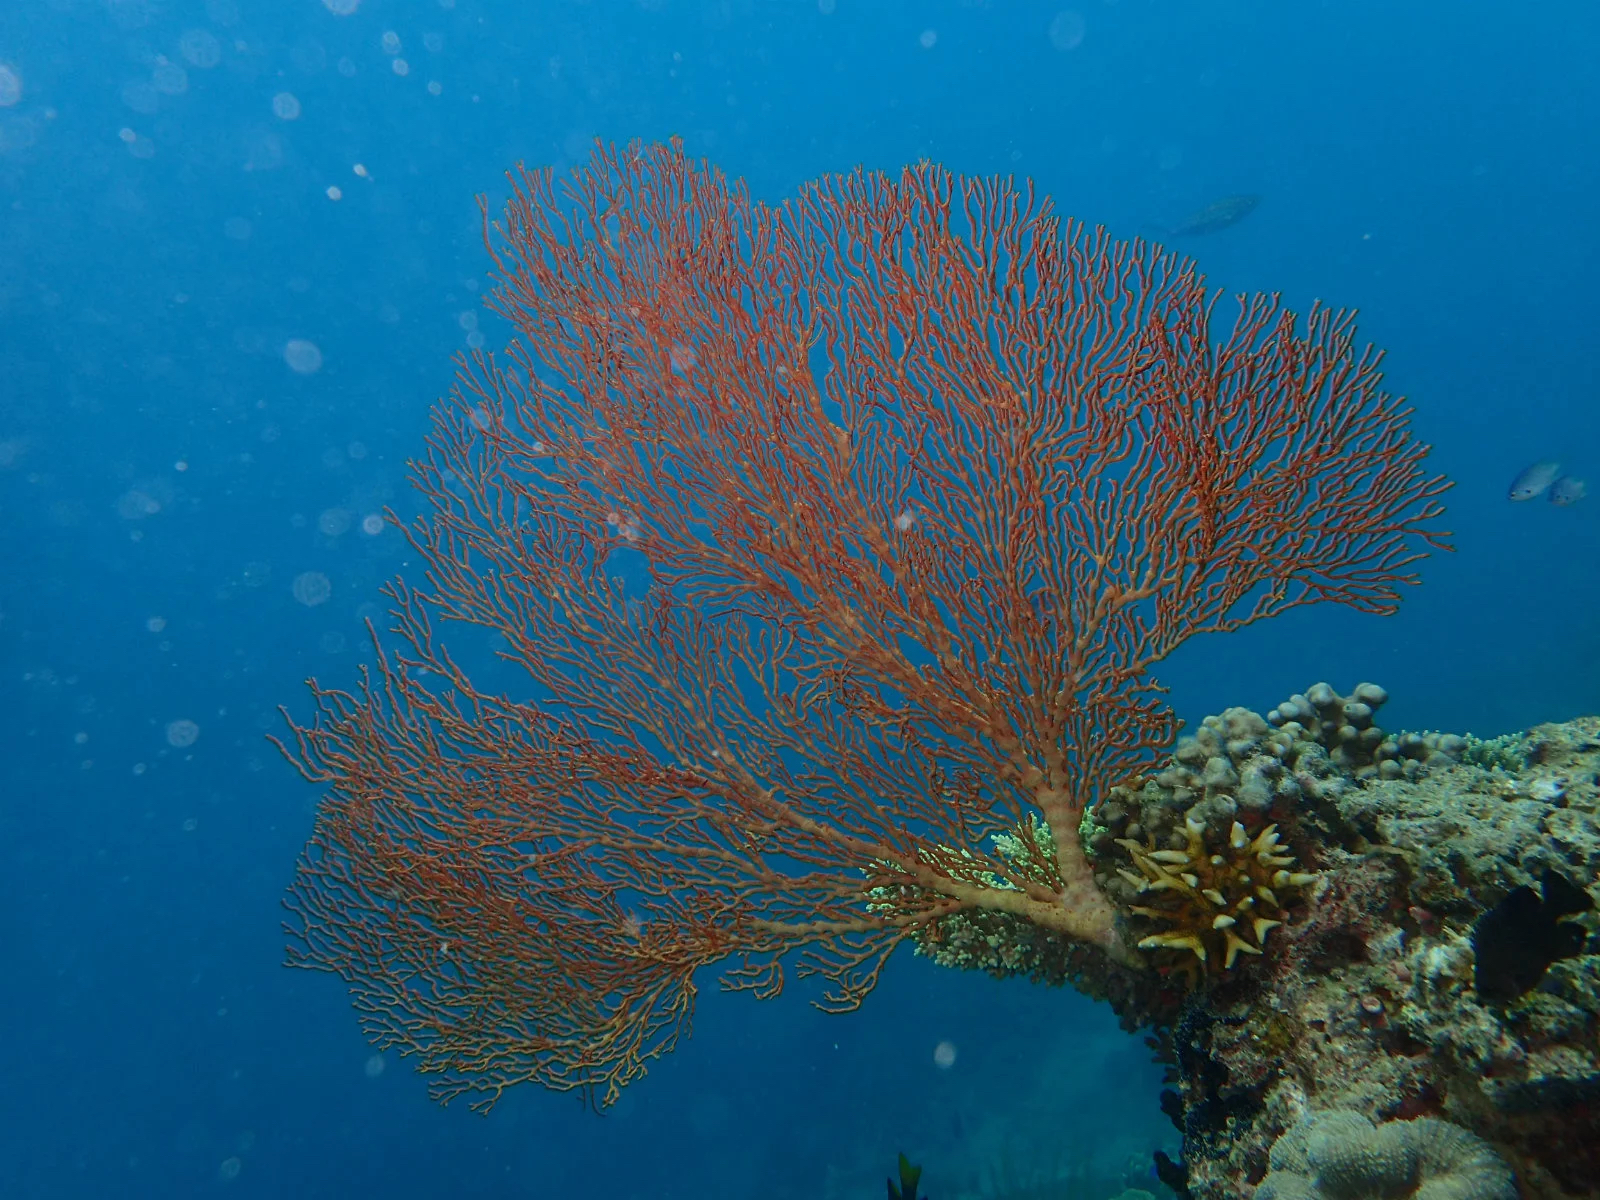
x=1351, y=868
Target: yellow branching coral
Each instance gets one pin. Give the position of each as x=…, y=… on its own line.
x=1214, y=904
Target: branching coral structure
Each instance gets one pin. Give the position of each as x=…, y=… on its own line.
x=820, y=545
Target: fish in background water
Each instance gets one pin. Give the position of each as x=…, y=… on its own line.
x=1531, y=481
x=1214, y=217
x=1567, y=490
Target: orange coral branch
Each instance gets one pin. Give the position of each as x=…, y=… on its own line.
x=925, y=483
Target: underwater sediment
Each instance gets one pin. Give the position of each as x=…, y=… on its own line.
x=1353, y=933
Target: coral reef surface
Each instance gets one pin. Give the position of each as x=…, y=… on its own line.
x=1307, y=889
x=1365, y=1002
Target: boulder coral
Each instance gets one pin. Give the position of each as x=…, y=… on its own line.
x=1341, y=1155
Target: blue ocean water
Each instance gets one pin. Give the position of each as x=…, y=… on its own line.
x=238, y=248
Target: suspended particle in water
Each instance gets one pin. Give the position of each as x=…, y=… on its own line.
x=200, y=49
x=944, y=1055
x=263, y=150
x=303, y=357
x=10, y=86
x=286, y=106
x=141, y=96
x=1067, y=30
x=312, y=588
x=182, y=733
x=169, y=78
x=136, y=504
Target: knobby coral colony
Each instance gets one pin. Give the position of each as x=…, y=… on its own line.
x=1214, y=903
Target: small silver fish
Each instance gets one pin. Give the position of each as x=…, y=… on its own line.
x=1567, y=490
x=1217, y=215
x=1530, y=481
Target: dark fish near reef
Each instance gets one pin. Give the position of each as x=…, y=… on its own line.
x=1530, y=481
x=1567, y=490
x=1514, y=943
x=910, y=1176
x=1216, y=216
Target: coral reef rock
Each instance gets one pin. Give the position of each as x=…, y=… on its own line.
x=1362, y=1007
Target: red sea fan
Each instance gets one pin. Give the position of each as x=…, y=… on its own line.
x=918, y=484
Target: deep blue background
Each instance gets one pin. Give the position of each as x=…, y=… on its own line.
x=163, y=234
